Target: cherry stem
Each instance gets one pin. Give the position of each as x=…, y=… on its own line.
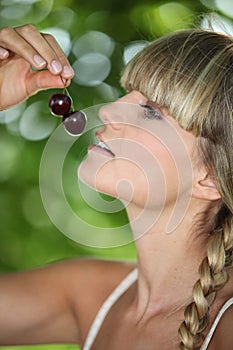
x=66, y=92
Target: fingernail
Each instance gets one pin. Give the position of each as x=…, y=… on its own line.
x=67, y=71
x=56, y=66
x=39, y=61
x=3, y=53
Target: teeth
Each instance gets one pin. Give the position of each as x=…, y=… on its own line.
x=103, y=145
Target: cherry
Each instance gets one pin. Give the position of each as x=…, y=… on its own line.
x=74, y=122
x=60, y=104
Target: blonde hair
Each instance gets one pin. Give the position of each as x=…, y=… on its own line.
x=191, y=73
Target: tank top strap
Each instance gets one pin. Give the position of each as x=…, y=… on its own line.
x=106, y=306
x=215, y=323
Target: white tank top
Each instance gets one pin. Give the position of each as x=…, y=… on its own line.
x=117, y=293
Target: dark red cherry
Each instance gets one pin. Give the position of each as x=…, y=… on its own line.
x=74, y=122
x=60, y=104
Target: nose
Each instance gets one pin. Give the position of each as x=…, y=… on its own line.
x=114, y=113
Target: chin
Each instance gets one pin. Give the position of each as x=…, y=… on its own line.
x=96, y=177
x=86, y=175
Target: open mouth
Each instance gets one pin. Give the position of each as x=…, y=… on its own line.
x=101, y=147
x=105, y=147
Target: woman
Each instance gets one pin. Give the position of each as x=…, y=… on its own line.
x=170, y=138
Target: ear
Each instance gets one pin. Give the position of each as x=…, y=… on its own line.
x=205, y=188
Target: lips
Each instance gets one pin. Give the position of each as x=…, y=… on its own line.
x=101, y=147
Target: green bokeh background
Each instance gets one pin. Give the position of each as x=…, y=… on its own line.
x=27, y=236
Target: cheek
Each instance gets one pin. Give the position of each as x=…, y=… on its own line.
x=150, y=172
x=159, y=174
x=171, y=156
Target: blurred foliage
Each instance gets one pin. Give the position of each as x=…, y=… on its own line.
x=99, y=37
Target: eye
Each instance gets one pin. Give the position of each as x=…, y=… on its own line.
x=150, y=112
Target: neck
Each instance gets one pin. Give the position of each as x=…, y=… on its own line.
x=167, y=263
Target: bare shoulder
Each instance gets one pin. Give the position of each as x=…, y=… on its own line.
x=93, y=276
x=223, y=336
x=90, y=283
x=56, y=302
x=81, y=274
x=88, y=272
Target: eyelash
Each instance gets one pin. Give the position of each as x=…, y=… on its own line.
x=150, y=112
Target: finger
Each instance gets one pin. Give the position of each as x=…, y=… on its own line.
x=10, y=40
x=39, y=50
x=44, y=80
x=3, y=53
x=34, y=38
x=48, y=48
x=67, y=70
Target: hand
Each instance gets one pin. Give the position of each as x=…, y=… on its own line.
x=21, y=48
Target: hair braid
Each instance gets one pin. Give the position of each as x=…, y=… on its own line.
x=213, y=276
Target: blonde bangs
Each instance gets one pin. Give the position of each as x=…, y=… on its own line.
x=185, y=73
